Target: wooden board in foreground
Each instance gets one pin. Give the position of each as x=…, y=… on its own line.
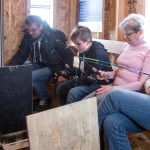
x=69, y=127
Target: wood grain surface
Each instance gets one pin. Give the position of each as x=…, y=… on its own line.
x=70, y=127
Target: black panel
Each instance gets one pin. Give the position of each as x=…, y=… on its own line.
x=15, y=97
x=0, y=33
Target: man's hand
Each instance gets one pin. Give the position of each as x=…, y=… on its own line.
x=61, y=79
x=103, y=90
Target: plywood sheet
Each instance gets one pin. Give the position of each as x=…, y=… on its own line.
x=69, y=127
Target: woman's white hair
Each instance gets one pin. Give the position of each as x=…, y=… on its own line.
x=133, y=22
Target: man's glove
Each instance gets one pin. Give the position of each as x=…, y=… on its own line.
x=70, y=72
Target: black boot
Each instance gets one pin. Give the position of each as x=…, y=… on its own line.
x=1, y=147
x=42, y=105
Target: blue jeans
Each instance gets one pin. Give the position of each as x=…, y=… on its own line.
x=39, y=76
x=68, y=92
x=79, y=92
x=122, y=112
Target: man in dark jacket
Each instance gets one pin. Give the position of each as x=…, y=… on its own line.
x=90, y=52
x=45, y=47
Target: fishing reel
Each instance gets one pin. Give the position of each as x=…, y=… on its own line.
x=66, y=73
x=93, y=77
x=70, y=72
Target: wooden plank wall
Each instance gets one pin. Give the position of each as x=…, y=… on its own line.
x=65, y=18
x=16, y=11
x=115, y=12
x=14, y=14
x=65, y=15
x=109, y=19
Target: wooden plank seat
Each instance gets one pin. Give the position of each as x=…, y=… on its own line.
x=113, y=49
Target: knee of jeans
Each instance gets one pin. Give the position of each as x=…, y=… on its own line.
x=114, y=123
x=71, y=96
x=108, y=124
x=73, y=92
x=70, y=93
x=34, y=77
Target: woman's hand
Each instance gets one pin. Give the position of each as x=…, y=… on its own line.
x=103, y=90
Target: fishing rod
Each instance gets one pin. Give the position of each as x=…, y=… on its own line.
x=92, y=60
x=120, y=66
x=66, y=47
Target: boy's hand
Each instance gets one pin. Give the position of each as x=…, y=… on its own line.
x=103, y=75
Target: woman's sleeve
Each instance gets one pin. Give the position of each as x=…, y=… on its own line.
x=112, y=74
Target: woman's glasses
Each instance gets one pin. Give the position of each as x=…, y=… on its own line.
x=128, y=34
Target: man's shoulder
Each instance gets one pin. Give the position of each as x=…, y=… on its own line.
x=57, y=34
x=54, y=30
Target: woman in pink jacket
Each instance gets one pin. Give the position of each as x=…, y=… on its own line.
x=135, y=54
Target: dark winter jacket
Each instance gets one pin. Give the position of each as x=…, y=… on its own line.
x=52, y=52
x=96, y=52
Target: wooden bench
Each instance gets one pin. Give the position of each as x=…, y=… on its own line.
x=139, y=141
